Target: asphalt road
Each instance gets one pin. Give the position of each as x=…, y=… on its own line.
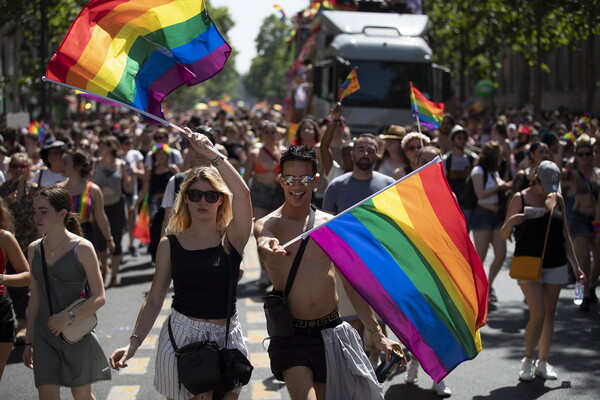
x=492, y=375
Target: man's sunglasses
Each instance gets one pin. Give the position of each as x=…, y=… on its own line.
x=304, y=180
x=195, y=195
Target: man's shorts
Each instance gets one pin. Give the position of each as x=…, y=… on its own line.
x=304, y=349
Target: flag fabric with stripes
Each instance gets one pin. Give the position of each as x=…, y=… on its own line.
x=349, y=86
x=429, y=113
x=142, y=227
x=407, y=252
x=138, y=51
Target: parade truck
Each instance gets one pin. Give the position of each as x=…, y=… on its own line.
x=390, y=51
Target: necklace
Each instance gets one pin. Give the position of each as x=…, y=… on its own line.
x=52, y=250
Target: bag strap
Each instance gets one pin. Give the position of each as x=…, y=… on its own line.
x=298, y=258
x=45, y=270
x=547, y=232
x=231, y=280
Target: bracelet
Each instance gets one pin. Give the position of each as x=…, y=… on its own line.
x=215, y=161
x=134, y=336
x=376, y=329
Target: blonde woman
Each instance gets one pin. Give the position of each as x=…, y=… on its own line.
x=202, y=250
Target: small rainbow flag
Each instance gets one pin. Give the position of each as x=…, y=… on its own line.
x=82, y=203
x=138, y=51
x=142, y=226
x=34, y=127
x=407, y=252
x=281, y=12
x=427, y=112
x=349, y=86
x=214, y=103
x=340, y=5
x=226, y=107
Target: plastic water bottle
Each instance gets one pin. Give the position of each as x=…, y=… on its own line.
x=578, y=293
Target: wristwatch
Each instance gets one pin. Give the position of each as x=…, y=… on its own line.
x=71, y=315
x=1, y=279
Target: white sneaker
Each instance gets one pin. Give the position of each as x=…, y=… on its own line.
x=441, y=389
x=545, y=370
x=526, y=372
x=412, y=372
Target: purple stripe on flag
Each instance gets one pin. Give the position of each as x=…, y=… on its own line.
x=367, y=286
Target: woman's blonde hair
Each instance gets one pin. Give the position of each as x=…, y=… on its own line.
x=181, y=218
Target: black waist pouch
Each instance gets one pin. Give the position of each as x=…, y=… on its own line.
x=279, y=319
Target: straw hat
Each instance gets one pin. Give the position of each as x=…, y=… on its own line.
x=394, y=132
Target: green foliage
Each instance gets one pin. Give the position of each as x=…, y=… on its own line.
x=266, y=78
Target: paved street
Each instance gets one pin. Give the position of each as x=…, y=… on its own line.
x=492, y=375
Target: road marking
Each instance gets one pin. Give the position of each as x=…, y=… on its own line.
x=123, y=392
x=136, y=366
x=160, y=320
x=257, y=335
x=255, y=317
x=252, y=275
x=149, y=342
x=260, y=360
x=250, y=302
x=261, y=391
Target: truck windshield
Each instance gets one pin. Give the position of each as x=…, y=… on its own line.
x=386, y=83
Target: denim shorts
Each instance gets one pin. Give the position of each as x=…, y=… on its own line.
x=484, y=220
x=581, y=225
x=7, y=320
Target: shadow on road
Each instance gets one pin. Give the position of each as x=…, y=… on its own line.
x=523, y=390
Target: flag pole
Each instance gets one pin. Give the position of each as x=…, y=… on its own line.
x=436, y=160
x=144, y=113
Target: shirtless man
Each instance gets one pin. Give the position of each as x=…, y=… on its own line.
x=300, y=360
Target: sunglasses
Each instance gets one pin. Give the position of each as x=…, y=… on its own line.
x=304, y=180
x=586, y=154
x=413, y=148
x=195, y=195
x=19, y=166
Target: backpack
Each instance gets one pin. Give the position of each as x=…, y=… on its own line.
x=468, y=200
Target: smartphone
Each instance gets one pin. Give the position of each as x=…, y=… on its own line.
x=384, y=369
x=535, y=212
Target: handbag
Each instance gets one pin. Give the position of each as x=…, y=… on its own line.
x=204, y=366
x=529, y=268
x=77, y=329
x=277, y=312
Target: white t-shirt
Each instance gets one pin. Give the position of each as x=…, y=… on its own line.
x=132, y=158
x=49, y=178
x=168, y=199
x=174, y=158
x=493, y=180
x=334, y=172
x=2, y=178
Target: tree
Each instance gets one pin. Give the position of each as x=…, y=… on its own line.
x=266, y=78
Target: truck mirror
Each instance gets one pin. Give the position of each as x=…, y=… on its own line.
x=442, y=83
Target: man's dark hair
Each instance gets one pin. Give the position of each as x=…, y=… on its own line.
x=299, y=153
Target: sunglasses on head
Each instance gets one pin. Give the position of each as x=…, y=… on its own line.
x=195, y=195
x=413, y=148
x=304, y=180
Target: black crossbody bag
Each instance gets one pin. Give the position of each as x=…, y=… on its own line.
x=204, y=366
x=277, y=312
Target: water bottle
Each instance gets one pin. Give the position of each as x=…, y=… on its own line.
x=384, y=369
x=578, y=294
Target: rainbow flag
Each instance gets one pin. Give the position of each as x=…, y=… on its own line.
x=138, y=51
x=282, y=16
x=226, y=107
x=407, y=252
x=429, y=114
x=34, y=127
x=142, y=226
x=350, y=85
x=340, y=5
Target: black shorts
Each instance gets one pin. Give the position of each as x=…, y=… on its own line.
x=7, y=320
x=304, y=349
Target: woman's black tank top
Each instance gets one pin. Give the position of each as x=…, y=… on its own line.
x=201, y=279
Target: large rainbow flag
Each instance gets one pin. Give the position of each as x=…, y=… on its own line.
x=138, y=51
x=429, y=113
x=407, y=252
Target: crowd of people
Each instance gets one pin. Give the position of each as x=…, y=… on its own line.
x=79, y=188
